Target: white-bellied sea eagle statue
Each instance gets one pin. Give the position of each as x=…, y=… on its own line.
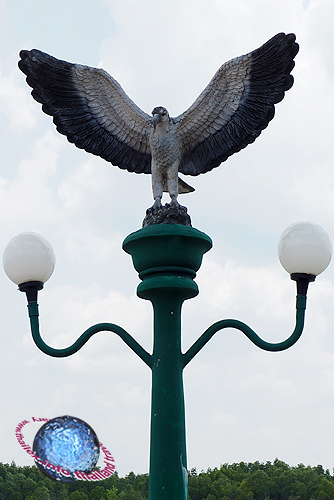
x=90, y=107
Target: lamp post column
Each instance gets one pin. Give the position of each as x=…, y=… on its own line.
x=168, y=460
x=167, y=258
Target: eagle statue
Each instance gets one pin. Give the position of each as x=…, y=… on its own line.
x=90, y=107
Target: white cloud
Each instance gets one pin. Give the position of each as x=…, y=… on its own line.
x=16, y=102
x=28, y=197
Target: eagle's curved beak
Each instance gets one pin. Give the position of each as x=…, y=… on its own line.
x=156, y=119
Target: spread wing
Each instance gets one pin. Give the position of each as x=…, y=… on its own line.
x=236, y=106
x=91, y=109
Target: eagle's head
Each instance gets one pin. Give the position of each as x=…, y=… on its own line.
x=160, y=115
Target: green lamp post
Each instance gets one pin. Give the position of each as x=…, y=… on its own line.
x=167, y=258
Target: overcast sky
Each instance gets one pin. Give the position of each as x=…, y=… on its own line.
x=242, y=404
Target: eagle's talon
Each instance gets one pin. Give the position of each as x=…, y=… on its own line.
x=157, y=205
x=175, y=204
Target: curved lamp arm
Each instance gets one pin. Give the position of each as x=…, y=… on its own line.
x=68, y=351
x=233, y=323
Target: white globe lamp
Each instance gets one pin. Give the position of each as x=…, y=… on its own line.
x=29, y=261
x=305, y=247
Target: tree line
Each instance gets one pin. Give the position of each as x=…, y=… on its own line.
x=242, y=481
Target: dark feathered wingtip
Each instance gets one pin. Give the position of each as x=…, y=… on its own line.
x=23, y=55
x=23, y=63
x=294, y=49
x=291, y=38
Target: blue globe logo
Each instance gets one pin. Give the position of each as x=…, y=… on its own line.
x=66, y=445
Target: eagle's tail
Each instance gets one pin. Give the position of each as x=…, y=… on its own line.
x=183, y=186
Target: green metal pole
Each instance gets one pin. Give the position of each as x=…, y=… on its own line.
x=168, y=460
x=167, y=258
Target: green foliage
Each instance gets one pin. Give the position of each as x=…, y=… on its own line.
x=258, y=481
x=242, y=481
x=78, y=495
x=112, y=494
x=97, y=493
x=41, y=493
